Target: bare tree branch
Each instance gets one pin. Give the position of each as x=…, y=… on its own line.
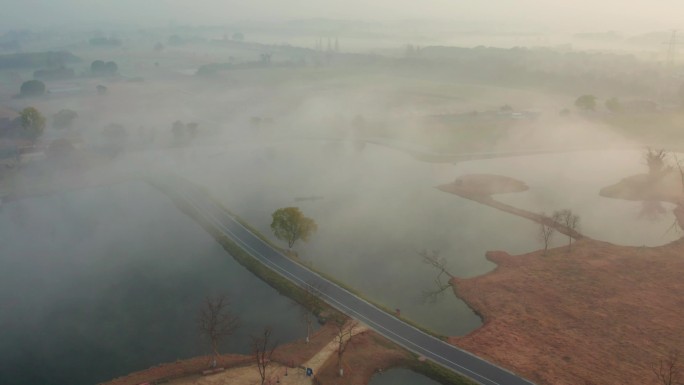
x=546, y=230
x=216, y=322
x=667, y=370
x=263, y=350
x=571, y=221
x=432, y=296
x=343, y=336
x=433, y=259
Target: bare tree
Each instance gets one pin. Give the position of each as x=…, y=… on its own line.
x=546, y=231
x=433, y=259
x=217, y=322
x=667, y=370
x=571, y=221
x=311, y=305
x=656, y=161
x=343, y=336
x=263, y=350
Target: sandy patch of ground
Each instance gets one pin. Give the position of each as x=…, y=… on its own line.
x=293, y=354
x=368, y=354
x=289, y=362
x=277, y=372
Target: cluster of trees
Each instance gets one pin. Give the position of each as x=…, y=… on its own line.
x=50, y=59
x=590, y=103
x=565, y=218
x=33, y=122
x=101, y=68
x=32, y=88
x=217, y=322
x=23, y=130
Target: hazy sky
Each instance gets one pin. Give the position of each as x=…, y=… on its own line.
x=595, y=15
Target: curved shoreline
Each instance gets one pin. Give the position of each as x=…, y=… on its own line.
x=597, y=314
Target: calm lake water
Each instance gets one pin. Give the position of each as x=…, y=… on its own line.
x=377, y=208
x=101, y=282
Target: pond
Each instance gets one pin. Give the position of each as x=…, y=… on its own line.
x=377, y=208
x=101, y=282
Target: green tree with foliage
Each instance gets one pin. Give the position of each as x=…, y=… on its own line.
x=289, y=224
x=97, y=67
x=32, y=121
x=586, y=102
x=100, y=68
x=32, y=88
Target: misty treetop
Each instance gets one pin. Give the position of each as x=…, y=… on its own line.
x=32, y=88
x=289, y=224
x=101, y=68
x=33, y=122
x=50, y=59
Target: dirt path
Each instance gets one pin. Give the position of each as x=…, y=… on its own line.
x=491, y=202
x=278, y=374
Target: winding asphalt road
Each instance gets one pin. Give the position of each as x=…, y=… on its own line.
x=388, y=325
